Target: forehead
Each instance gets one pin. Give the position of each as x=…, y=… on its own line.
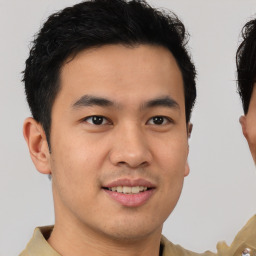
x=123, y=73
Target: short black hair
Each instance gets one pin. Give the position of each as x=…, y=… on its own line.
x=95, y=23
x=246, y=63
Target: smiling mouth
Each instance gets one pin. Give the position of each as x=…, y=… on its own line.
x=130, y=193
x=128, y=190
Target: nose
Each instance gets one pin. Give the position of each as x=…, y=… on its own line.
x=130, y=148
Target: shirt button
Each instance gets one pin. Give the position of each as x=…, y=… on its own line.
x=246, y=252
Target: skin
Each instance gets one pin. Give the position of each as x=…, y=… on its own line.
x=128, y=144
x=248, y=123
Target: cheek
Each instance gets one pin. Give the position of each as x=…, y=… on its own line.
x=74, y=167
x=172, y=153
x=172, y=165
x=172, y=159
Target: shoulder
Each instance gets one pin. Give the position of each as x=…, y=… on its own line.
x=171, y=249
x=244, y=242
x=38, y=245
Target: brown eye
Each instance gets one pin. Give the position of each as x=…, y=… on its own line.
x=96, y=120
x=158, y=120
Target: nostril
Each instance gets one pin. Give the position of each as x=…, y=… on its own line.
x=143, y=164
x=132, y=158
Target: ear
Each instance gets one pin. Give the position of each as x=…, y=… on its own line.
x=247, y=134
x=190, y=128
x=35, y=137
x=187, y=168
x=242, y=121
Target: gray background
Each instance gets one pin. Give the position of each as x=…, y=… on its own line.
x=219, y=194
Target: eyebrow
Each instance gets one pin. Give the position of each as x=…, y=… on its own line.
x=165, y=101
x=88, y=100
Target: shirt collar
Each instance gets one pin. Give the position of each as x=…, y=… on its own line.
x=39, y=246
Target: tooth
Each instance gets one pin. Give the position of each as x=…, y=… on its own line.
x=119, y=189
x=141, y=188
x=127, y=190
x=135, y=190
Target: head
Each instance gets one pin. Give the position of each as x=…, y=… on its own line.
x=111, y=87
x=246, y=73
x=94, y=24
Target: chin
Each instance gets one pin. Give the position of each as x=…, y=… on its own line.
x=128, y=230
x=129, y=235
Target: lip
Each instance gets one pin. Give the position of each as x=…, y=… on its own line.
x=130, y=183
x=130, y=200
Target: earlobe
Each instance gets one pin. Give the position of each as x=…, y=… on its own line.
x=190, y=128
x=38, y=147
x=187, y=169
x=242, y=121
x=248, y=135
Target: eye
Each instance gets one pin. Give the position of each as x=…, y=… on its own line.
x=96, y=120
x=159, y=120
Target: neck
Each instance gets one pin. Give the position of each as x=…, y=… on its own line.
x=80, y=241
x=75, y=236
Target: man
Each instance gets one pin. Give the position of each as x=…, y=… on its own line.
x=246, y=74
x=244, y=243
x=246, y=71
x=111, y=87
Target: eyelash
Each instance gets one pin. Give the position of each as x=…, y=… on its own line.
x=99, y=117
x=166, y=120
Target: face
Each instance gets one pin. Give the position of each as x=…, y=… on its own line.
x=248, y=123
x=118, y=141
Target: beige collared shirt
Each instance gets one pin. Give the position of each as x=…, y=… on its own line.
x=244, y=244
x=38, y=246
